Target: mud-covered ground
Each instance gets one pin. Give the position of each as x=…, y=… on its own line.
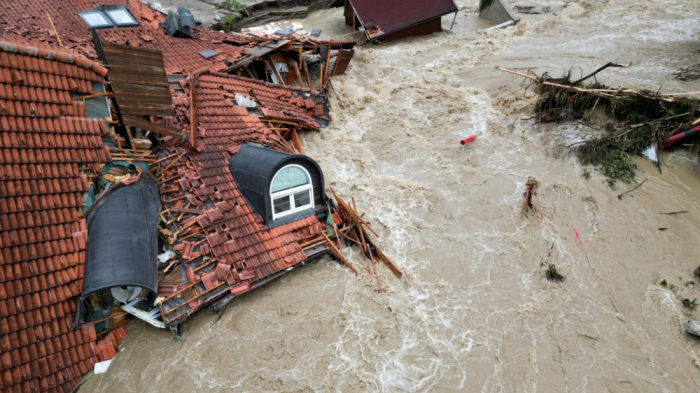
x=474, y=311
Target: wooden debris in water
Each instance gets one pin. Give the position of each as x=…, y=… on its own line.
x=357, y=231
x=551, y=273
x=674, y=213
x=530, y=189
x=633, y=120
x=627, y=192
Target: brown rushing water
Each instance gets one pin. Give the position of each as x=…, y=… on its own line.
x=474, y=311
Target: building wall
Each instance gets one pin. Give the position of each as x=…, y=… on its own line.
x=349, y=15
x=424, y=28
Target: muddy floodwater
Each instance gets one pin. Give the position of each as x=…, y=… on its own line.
x=474, y=311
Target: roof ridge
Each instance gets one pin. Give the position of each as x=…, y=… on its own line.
x=64, y=57
x=260, y=82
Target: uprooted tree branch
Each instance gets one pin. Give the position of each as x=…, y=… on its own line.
x=622, y=121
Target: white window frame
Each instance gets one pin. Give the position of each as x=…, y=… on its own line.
x=289, y=193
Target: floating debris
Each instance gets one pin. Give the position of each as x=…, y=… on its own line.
x=635, y=187
x=620, y=122
x=530, y=189
x=688, y=73
x=497, y=11
x=675, y=213
x=466, y=140
x=553, y=275
x=692, y=327
x=577, y=237
x=691, y=304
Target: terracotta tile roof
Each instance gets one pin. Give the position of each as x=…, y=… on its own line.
x=276, y=102
x=28, y=20
x=44, y=137
x=392, y=15
x=243, y=248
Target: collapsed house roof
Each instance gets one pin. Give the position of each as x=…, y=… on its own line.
x=382, y=18
x=229, y=248
x=46, y=139
x=63, y=132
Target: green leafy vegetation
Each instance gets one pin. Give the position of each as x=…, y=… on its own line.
x=232, y=5
x=226, y=23
x=484, y=4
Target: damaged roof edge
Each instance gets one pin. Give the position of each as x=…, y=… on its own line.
x=62, y=56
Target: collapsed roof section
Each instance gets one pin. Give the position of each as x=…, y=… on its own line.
x=48, y=145
x=64, y=24
x=387, y=19
x=58, y=131
x=224, y=247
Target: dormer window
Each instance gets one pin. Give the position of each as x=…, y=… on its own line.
x=291, y=191
x=108, y=16
x=279, y=186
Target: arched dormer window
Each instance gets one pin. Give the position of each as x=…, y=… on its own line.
x=279, y=186
x=291, y=191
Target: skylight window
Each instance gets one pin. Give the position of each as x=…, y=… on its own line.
x=108, y=16
x=122, y=17
x=95, y=19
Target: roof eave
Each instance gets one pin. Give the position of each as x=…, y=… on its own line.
x=383, y=33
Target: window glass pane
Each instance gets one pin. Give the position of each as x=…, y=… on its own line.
x=302, y=199
x=95, y=19
x=289, y=177
x=282, y=205
x=121, y=17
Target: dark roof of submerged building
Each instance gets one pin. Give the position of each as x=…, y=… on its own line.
x=392, y=15
x=45, y=138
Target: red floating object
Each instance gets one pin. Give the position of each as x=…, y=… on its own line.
x=467, y=140
x=676, y=138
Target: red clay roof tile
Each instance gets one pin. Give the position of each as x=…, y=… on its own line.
x=40, y=188
x=181, y=54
